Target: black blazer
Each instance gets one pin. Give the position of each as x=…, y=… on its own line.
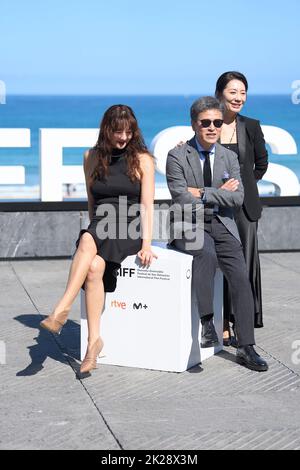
x=253, y=158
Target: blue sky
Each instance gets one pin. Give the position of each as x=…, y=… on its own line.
x=147, y=47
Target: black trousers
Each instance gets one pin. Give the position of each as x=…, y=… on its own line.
x=248, y=234
x=221, y=248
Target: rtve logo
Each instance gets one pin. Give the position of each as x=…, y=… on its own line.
x=117, y=304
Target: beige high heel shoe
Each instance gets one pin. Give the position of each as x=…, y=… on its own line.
x=90, y=361
x=55, y=322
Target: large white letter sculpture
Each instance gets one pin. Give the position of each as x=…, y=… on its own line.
x=280, y=141
x=13, y=138
x=52, y=171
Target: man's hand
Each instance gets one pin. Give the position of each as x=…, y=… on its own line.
x=230, y=185
x=196, y=192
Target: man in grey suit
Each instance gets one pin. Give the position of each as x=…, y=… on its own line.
x=203, y=174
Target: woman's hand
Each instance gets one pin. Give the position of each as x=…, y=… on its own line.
x=180, y=144
x=230, y=185
x=146, y=256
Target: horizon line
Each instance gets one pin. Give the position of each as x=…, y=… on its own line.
x=137, y=94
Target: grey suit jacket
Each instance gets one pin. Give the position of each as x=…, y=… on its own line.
x=184, y=170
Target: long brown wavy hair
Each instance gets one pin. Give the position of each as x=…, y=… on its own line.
x=115, y=118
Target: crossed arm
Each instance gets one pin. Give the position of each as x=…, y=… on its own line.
x=229, y=194
x=230, y=185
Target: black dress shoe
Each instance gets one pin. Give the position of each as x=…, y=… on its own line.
x=227, y=341
x=248, y=357
x=209, y=336
x=231, y=341
x=234, y=343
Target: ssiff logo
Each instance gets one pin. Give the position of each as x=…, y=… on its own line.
x=126, y=272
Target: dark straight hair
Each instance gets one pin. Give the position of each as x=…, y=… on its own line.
x=225, y=78
x=204, y=104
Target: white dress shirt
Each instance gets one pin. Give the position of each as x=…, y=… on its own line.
x=211, y=151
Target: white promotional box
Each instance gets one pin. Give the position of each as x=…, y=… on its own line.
x=151, y=320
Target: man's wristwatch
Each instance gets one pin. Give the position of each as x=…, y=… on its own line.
x=201, y=192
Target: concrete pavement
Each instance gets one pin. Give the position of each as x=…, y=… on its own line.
x=216, y=405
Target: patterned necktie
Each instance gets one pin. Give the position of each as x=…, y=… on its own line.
x=206, y=169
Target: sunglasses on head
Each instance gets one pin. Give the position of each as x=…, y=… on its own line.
x=207, y=122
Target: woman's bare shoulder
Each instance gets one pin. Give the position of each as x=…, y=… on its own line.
x=89, y=158
x=146, y=160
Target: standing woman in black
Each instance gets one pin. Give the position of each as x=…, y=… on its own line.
x=244, y=136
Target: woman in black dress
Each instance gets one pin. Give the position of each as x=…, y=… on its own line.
x=119, y=174
x=244, y=136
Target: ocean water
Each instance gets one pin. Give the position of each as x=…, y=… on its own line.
x=154, y=113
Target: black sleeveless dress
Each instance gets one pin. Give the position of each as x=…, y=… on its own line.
x=115, y=225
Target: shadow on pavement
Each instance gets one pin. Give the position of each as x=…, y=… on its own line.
x=65, y=348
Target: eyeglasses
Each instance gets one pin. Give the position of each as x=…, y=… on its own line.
x=207, y=122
